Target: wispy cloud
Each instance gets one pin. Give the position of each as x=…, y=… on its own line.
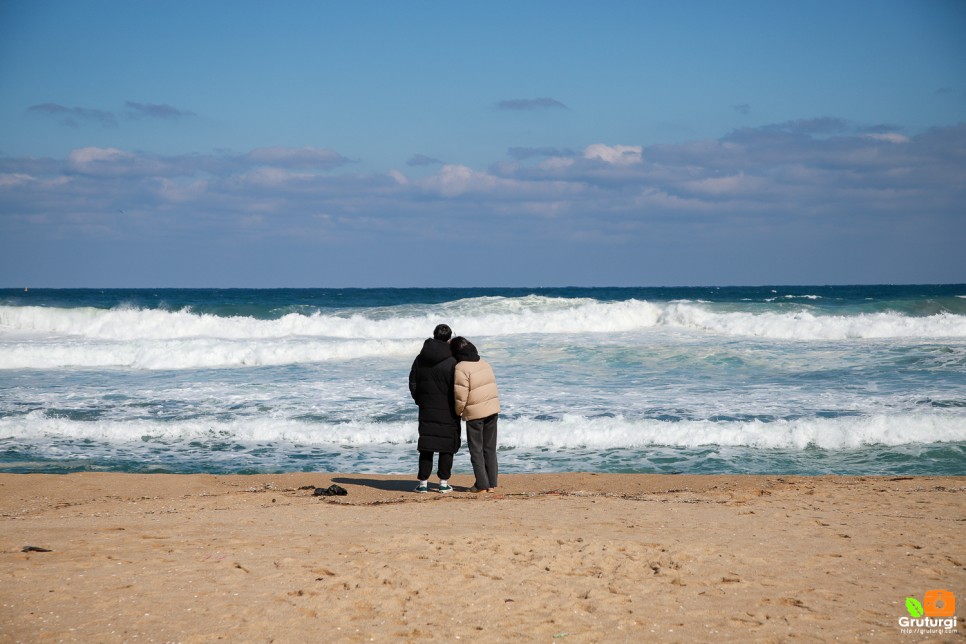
x=307, y=157
x=74, y=116
x=421, y=160
x=522, y=153
x=153, y=110
x=822, y=125
x=525, y=104
x=742, y=108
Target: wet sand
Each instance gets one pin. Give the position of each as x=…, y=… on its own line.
x=549, y=558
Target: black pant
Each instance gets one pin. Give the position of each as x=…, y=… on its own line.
x=481, y=439
x=426, y=465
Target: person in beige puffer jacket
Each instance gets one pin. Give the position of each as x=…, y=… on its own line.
x=478, y=403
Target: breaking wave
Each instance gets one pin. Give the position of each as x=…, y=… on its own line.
x=570, y=431
x=42, y=337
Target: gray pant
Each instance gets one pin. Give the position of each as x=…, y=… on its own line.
x=481, y=439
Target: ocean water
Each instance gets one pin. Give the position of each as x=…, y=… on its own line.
x=861, y=380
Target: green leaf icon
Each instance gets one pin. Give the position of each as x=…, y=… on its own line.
x=914, y=606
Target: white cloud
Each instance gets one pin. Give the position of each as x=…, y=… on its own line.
x=556, y=163
x=615, y=154
x=454, y=180
x=269, y=177
x=889, y=137
x=15, y=179
x=83, y=157
x=112, y=162
x=654, y=199
x=399, y=177
x=736, y=184
x=499, y=193
x=178, y=191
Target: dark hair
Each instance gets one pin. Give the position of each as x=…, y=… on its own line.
x=443, y=332
x=463, y=350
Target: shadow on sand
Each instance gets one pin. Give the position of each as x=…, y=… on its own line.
x=378, y=484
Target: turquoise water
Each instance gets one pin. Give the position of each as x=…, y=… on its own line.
x=783, y=380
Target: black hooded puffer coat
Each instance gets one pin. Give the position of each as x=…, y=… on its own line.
x=431, y=386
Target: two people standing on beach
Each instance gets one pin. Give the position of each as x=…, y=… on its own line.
x=448, y=380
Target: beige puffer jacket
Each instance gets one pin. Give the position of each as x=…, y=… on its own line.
x=475, y=390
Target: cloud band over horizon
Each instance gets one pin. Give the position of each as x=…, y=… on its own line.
x=773, y=175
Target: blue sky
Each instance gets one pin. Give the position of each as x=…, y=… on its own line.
x=481, y=143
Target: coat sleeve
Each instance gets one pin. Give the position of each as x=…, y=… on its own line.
x=412, y=380
x=461, y=389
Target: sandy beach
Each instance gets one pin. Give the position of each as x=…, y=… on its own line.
x=554, y=558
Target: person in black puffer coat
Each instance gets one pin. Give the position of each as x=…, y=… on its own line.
x=431, y=386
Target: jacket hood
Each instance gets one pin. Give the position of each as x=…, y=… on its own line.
x=468, y=353
x=434, y=351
